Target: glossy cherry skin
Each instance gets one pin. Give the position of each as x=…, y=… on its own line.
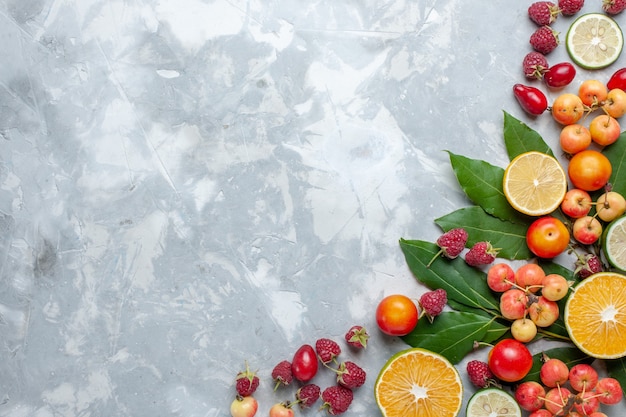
x=304, y=364
x=617, y=80
x=531, y=99
x=559, y=75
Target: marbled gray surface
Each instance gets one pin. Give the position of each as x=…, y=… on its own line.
x=189, y=184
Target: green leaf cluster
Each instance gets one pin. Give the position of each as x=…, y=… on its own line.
x=474, y=318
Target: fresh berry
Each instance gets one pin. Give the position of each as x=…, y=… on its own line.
x=482, y=253
x=531, y=99
x=357, y=337
x=350, y=375
x=281, y=374
x=451, y=244
x=614, y=6
x=543, y=12
x=587, y=265
x=337, y=399
x=544, y=40
x=247, y=382
x=535, y=64
x=433, y=302
x=479, y=373
x=327, y=350
x=307, y=395
x=570, y=7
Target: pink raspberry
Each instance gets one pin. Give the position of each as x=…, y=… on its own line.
x=543, y=12
x=451, y=244
x=544, y=40
x=327, y=350
x=479, y=373
x=282, y=374
x=307, y=395
x=357, y=337
x=614, y=6
x=482, y=253
x=433, y=302
x=570, y=7
x=587, y=265
x=337, y=399
x=535, y=64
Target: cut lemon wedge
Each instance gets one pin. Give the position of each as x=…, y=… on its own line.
x=614, y=243
x=594, y=41
x=534, y=183
x=595, y=315
x=418, y=383
x=492, y=402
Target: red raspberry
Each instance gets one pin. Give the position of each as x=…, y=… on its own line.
x=282, y=374
x=451, y=244
x=327, y=349
x=357, y=337
x=587, y=265
x=247, y=382
x=307, y=395
x=614, y=6
x=337, y=399
x=544, y=40
x=479, y=373
x=350, y=375
x=535, y=65
x=482, y=253
x=433, y=302
x=570, y=7
x=543, y=12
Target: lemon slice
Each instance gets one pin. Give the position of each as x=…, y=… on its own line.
x=594, y=41
x=534, y=183
x=492, y=402
x=614, y=243
x=595, y=315
x=418, y=383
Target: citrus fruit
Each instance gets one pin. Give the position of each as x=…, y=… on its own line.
x=534, y=183
x=492, y=402
x=589, y=170
x=594, y=41
x=418, y=383
x=614, y=243
x=595, y=315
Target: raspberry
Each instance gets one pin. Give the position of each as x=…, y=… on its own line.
x=543, y=12
x=433, y=302
x=482, y=253
x=544, y=40
x=247, y=382
x=570, y=7
x=613, y=6
x=357, y=337
x=535, y=65
x=337, y=399
x=479, y=373
x=327, y=350
x=451, y=244
x=307, y=395
x=350, y=375
x=587, y=265
x=282, y=374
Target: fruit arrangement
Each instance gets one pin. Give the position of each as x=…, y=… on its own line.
x=301, y=370
x=539, y=255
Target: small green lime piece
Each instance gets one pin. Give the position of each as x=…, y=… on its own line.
x=594, y=41
x=614, y=243
x=492, y=402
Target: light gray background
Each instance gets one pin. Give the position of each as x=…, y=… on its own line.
x=189, y=184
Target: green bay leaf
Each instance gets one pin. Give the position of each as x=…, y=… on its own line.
x=482, y=183
x=617, y=155
x=452, y=334
x=509, y=237
x=520, y=138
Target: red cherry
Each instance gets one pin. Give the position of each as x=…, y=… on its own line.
x=531, y=99
x=559, y=75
